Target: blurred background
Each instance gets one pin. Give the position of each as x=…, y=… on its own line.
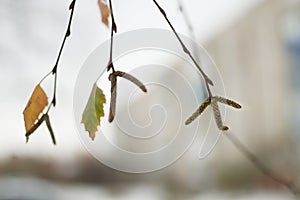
x=255, y=44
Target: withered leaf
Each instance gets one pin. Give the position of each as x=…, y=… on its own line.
x=35, y=106
x=105, y=12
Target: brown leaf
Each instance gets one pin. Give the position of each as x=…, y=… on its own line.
x=35, y=106
x=105, y=12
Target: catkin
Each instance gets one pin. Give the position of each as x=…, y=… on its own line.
x=132, y=79
x=113, y=97
x=198, y=111
x=217, y=115
x=228, y=102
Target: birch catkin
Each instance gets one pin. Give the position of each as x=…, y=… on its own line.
x=228, y=102
x=198, y=111
x=217, y=115
x=113, y=98
x=132, y=79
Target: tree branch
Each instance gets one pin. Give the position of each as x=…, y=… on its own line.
x=290, y=185
x=110, y=64
x=207, y=80
x=54, y=70
x=45, y=116
x=190, y=28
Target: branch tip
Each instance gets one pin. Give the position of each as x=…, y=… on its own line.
x=72, y=5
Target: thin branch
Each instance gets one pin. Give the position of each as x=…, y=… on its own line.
x=190, y=28
x=54, y=70
x=45, y=117
x=207, y=80
x=110, y=64
x=260, y=166
x=49, y=73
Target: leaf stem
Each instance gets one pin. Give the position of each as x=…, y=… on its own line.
x=48, y=74
x=207, y=80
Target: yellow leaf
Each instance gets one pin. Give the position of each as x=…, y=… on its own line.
x=93, y=111
x=105, y=12
x=35, y=106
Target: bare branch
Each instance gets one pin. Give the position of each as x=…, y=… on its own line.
x=207, y=80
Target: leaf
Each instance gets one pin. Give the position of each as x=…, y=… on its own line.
x=93, y=111
x=105, y=12
x=35, y=106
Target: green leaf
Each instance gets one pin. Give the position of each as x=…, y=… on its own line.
x=93, y=111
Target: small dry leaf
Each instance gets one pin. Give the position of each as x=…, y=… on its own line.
x=35, y=106
x=105, y=12
x=132, y=79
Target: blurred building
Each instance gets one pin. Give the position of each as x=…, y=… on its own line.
x=259, y=60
